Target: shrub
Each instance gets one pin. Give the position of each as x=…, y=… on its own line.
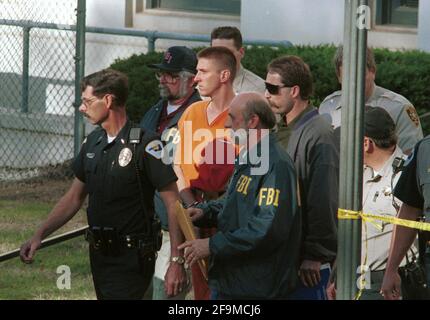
x=405, y=72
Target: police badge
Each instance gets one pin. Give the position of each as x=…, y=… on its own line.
x=124, y=157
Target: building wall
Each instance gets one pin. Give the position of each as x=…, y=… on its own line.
x=182, y=22
x=301, y=22
x=320, y=22
x=106, y=13
x=424, y=25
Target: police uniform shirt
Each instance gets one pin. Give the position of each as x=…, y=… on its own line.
x=110, y=178
x=377, y=199
x=246, y=81
x=408, y=127
x=413, y=187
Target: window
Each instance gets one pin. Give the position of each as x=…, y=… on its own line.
x=403, y=13
x=229, y=7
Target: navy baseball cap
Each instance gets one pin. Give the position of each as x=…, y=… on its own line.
x=176, y=59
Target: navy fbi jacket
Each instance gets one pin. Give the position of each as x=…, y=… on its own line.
x=255, y=251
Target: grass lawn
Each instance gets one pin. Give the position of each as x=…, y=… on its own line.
x=18, y=220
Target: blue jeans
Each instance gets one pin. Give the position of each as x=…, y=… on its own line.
x=317, y=292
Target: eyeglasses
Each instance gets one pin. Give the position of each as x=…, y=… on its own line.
x=274, y=88
x=168, y=77
x=88, y=102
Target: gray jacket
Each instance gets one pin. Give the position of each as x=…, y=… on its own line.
x=312, y=146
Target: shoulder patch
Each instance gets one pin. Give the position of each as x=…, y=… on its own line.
x=155, y=149
x=412, y=113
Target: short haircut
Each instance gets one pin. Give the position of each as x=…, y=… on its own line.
x=223, y=56
x=380, y=127
x=294, y=72
x=338, y=58
x=228, y=32
x=108, y=81
x=386, y=143
x=260, y=108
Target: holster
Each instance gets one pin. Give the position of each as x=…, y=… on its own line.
x=110, y=243
x=105, y=239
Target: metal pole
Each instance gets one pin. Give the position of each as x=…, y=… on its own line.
x=151, y=41
x=47, y=242
x=25, y=68
x=79, y=72
x=351, y=157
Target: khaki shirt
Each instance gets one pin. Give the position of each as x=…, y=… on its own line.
x=377, y=199
x=408, y=126
x=246, y=81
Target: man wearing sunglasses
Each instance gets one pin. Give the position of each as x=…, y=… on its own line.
x=311, y=143
x=175, y=75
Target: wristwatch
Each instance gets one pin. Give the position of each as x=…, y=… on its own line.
x=192, y=205
x=178, y=260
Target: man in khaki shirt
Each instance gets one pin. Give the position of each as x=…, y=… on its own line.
x=231, y=38
x=379, y=178
x=401, y=110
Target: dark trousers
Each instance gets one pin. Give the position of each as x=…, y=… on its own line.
x=122, y=277
x=427, y=264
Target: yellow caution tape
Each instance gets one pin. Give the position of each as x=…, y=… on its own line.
x=344, y=214
x=354, y=215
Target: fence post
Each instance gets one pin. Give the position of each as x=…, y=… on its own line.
x=79, y=130
x=151, y=41
x=25, y=68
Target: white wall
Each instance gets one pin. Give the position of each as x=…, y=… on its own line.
x=424, y=25
x=391, y=39
x=182, y=22
x=106, y=13
x=301, y=22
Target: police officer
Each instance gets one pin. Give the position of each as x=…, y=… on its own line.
x=401, y=110
x=413, y=188
x=177, y=91
x=254, y=253
x=382, y=160
x=120, y=176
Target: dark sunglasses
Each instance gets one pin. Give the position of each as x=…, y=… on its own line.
x=273, y=88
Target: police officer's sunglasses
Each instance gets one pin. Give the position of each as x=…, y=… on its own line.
x=273, y=88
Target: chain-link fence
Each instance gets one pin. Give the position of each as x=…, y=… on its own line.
x=37, y=78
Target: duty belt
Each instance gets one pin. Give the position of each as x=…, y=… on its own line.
x=109, y=243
